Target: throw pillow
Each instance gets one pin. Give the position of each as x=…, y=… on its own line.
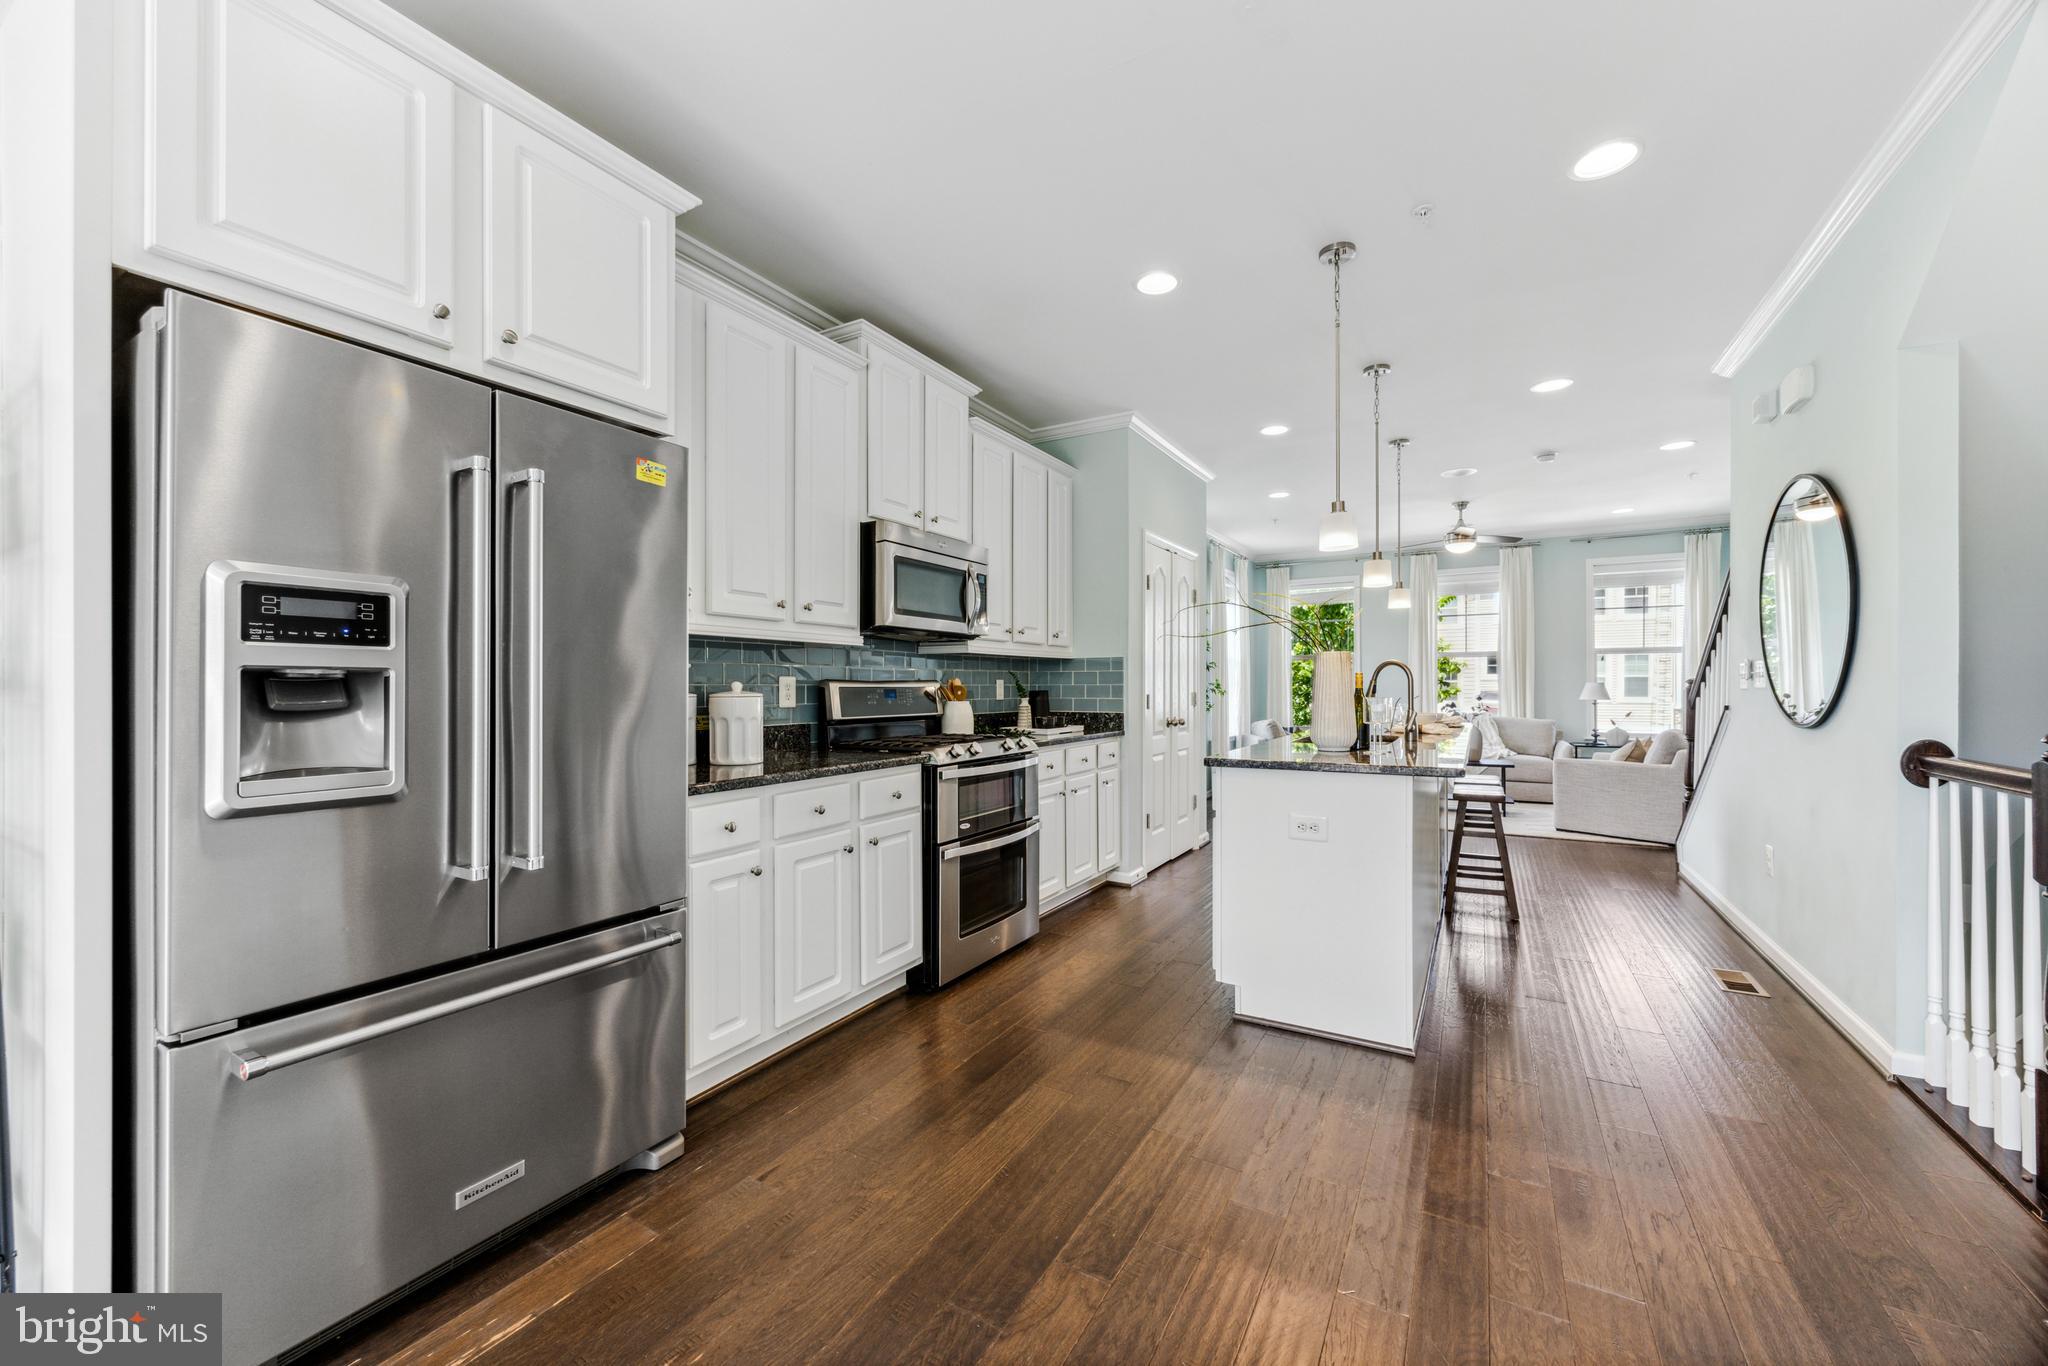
x=1633, y=752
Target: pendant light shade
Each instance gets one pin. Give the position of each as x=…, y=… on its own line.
x=1379, y=572
x=1338, y=531
x=1397, y=596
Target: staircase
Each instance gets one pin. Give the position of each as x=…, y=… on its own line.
x=1708, y=696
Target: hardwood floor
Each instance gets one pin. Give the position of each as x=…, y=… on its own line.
x=1597, y=1155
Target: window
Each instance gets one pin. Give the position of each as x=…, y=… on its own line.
x=1638, y=641
x=1334, y=600
x=1468, y=640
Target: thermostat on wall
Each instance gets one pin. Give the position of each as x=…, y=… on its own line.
x=1795, y=389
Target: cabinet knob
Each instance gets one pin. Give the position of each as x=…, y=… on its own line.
x=1055, y=635
x=818, y=810
x=849, y=848
x=874, y=839
x=894, y=797
x=919, y=514
x=807, y=607
x=440, y=310
x=732, y=827
x=782, y=602
x=510, y=335
x=755, y=870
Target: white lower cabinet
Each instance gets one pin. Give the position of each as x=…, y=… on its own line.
x=891, y=896
x=725, y=928
x=1080, y=818
x=799, y=913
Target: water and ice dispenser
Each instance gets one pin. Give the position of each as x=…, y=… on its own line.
x=305, y=688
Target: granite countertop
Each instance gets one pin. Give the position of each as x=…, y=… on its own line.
x=1394, y=760
x=791, y=766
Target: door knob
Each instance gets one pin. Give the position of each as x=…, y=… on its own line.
x=440, y=310
x=510, y=335
x=731, y=827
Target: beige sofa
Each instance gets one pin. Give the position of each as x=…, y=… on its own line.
x=1536, y=746
x=1631, y=801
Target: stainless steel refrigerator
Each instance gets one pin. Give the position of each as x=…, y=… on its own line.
x=409, y=744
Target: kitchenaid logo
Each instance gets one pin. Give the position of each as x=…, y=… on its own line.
x=158, y=1328
x=491, y=1184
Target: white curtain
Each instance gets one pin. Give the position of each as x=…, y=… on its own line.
x=1702, y=590
x=1799, y=637
x=1422, y=596
x=1517, y=630
x=1279, y=650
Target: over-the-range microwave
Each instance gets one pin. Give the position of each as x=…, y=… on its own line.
x=920, y=585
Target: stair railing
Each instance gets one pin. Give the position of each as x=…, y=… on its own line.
x=1708, y=696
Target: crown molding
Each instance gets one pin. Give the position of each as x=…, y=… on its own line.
x=487, y=85
x=711, y=261
x=1125, y=422
x=862, y=333
x=716, y=288
x=994, y=417
x=1951, y=73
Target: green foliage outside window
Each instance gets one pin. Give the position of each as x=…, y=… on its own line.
x=1317, y=626
x=1447, y=668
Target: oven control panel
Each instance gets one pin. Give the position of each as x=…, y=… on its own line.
x=314, y=616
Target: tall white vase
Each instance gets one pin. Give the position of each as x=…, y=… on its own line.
x=1333, y=709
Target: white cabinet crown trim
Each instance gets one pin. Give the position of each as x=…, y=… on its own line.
x=861, y=332
x=716, y=289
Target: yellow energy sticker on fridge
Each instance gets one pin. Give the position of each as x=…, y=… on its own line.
x=650, y=472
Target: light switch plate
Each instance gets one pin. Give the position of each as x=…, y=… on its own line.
x=785, y=691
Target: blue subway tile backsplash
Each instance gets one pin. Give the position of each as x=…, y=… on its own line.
x=716, y=663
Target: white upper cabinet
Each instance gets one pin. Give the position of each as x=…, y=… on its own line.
x=948, y=460
x=1059, y=560
x=289, y=147
x=991, y=529
x=895, y=440
x=746, y=466
x=826, y=498
x=920, y=451
x=771, y=413
x=576, y=270
x=1028, y=551
x=335, y=164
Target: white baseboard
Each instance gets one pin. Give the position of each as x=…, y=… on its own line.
x=1128, y=876
x=1868, y=1041
x=1909, y=1065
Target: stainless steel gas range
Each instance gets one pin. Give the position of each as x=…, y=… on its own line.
x=980, y=816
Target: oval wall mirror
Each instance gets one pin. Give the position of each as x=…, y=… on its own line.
x=1807, y=600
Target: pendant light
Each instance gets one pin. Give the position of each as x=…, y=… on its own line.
x=1397, y=596
x=1378, y=573
x=1460, y=539
x=1338, y=531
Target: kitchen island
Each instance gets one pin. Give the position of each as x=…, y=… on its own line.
x=1328, y=886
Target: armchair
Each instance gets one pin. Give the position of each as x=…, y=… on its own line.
x=1536, y=746
x=1632, y=801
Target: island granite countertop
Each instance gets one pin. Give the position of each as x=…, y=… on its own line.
x=791, y=766
x=1392, y=760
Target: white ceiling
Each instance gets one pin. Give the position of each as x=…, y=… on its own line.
x=988, y=180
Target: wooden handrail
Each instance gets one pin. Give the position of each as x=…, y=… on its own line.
x=1925, y=760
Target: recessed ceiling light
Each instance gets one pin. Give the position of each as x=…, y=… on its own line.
x=1277, y=493
x=1606, y=159
x=1622, y=512
x=1157, y=282
x=1676, y=446
x=1273, y=429
x=1549, y=386
x=1462, y=472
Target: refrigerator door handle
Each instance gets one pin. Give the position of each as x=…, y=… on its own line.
x=472, y=863
x=534, y=858
x=250, y=1064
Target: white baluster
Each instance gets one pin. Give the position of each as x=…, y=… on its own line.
x=1958, y=982
x=2032, y=1026
x=1982, y=1101
x=2005, y=1123
x=1935, y=1065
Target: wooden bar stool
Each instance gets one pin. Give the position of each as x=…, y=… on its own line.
x=1481, y=807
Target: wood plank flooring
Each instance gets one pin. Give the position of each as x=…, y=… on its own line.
x=1076, y=1155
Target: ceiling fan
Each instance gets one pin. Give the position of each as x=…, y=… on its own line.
x=1460, y=539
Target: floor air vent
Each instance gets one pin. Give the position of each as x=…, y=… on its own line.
x=1741, y=983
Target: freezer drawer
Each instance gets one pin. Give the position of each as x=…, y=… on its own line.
x=306, y=1180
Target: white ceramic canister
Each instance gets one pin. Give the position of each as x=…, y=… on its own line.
x=736, y=726
x=956, y=718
